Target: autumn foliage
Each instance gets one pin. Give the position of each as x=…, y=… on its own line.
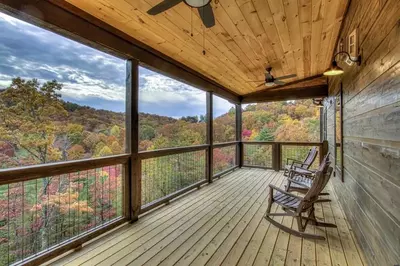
x=38, y=127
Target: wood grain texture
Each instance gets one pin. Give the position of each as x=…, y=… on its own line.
x=222, y=224
x=290, y=36
x=371, y=130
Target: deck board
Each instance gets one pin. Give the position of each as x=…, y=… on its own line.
x=222, y=224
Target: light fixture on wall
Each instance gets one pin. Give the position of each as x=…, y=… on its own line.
x=335, y=70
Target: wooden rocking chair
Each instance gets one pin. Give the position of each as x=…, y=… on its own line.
x=295, y=206
x=300, y=180
x=292, y=163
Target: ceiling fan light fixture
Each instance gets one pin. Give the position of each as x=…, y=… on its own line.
x=197, y=3
x=334, y=70
x=270, y=84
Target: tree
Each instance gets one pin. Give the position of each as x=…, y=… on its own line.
x=29, y=113
x=116, y=148
x=32, y=118
x=72, y=135
x=105, y=151
x=147, y=132
x=265, y=135
x=76, y=152
x=190, y=119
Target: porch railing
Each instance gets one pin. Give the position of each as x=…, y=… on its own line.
x=168, y=173
x=48, y=209
x=224, y=157
x=58, y=206
x=273, y=155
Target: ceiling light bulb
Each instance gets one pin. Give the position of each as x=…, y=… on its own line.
x=333, y=70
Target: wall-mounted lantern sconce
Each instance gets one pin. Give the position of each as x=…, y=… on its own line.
x=335, y=70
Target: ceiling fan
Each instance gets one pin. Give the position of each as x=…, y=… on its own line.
x=203, y=6
x=270, y=80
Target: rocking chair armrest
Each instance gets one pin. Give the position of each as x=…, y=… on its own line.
x=272, y=188
x=297, y=182
x=305, y=165
x=293, y=161
x=302, y=171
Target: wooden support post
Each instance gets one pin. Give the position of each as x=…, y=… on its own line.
x=321, y=124
x=132, y=139
x=210, y=138
x=325, y=148
x=276, y=156
x=239, y=147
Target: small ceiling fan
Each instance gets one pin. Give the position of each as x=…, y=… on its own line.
x=203, y=6
x=270, y=80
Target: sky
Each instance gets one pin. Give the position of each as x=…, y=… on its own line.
x=91, y=77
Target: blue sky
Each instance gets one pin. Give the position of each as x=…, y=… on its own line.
x=90, y=77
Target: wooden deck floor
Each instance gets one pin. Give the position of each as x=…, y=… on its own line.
x=222, y=224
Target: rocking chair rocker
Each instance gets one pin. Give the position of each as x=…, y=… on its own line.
x=295, y=206
x=292, y=163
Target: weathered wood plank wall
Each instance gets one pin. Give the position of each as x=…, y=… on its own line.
x=370, y=193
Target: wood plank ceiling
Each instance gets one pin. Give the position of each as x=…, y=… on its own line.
x=291, y=36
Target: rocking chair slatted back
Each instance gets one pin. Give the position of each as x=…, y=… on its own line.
x=321, y=178
x=320, y=181
x=312, y=154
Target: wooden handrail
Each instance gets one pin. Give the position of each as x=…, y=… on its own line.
x=225, y=144
x=282, y=143
x=276, y=151
x=170, y=151
x=14, y=175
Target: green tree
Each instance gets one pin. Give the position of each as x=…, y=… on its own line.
x=190, y=119
x=147, y=132
x=265, y=135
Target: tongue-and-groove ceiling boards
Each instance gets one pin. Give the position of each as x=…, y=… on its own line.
x=291, y=36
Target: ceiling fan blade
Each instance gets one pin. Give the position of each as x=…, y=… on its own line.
x=278, y=82
x=207, y=16
x=261, y=85
x=287, y=76
x=261, y=80
x=163, y=6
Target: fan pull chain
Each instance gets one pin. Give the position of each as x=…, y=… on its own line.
x=204, y=36
x=204, y=41
x=191, y=22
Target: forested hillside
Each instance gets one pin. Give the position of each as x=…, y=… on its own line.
x=281, y=121
x=38, y=127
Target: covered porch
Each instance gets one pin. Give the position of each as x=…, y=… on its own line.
x=179, y=203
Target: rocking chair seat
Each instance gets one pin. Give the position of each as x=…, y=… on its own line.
x=301, y=182
x=286, y=201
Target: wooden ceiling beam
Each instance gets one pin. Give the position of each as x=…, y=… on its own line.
x=311, y=87
x=288, y=94
x=74, y=23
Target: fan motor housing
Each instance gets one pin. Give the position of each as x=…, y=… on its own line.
x=197, y=3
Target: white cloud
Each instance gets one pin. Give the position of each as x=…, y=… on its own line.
x=10, y=20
